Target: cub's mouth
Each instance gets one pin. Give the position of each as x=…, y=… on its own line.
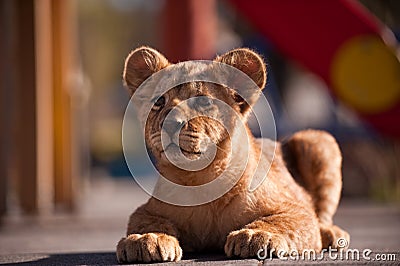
x=174, y=149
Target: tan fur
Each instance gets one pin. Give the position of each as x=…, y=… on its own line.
x=279, y=214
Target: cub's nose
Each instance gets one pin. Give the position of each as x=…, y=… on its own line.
x=172, y=126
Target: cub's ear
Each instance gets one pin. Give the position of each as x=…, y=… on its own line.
x=140, y=64
x=248, y=62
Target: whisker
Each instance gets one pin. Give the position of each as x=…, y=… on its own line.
x=190, y=135
x=227, y=153
x=187, y=139
x=155, y=135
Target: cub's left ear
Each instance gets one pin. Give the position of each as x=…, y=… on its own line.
x=248, y=62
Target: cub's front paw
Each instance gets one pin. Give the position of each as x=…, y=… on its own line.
x=150, y=247
x=334, y=236
x=246, y=243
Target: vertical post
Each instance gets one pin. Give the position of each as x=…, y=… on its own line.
x=37, y=55
x=189, y=30
x=63, y=63
x=25, y=138
x=5, y=80
x=44, y=104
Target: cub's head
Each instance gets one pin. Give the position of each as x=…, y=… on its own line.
x=197, y=117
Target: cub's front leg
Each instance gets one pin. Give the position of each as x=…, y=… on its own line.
x=149, y=239
x=276, y=234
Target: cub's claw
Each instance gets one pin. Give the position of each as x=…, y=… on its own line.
x=335, y=237
x=150, y=247
x=247, y=243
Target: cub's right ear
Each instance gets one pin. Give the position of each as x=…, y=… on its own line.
x=140, y=64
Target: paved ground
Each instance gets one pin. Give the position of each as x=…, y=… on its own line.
x=89, y=237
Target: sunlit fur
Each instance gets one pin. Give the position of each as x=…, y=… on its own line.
x=280, y=214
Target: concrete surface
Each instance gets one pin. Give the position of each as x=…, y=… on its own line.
x=89, y=236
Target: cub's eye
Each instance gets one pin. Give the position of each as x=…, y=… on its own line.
x=158, y=102
x=203, y=101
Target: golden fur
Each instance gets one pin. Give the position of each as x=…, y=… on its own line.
x=281, y=214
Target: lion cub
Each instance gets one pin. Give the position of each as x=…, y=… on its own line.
x=280, y=215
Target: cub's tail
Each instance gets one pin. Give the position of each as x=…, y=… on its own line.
x=313, y=158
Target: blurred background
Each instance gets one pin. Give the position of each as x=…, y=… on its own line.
x=332, y=65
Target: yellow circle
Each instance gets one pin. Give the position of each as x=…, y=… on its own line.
x=366, y=74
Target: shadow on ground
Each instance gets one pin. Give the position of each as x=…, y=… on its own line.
x=109, y=258
x=104, y=258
